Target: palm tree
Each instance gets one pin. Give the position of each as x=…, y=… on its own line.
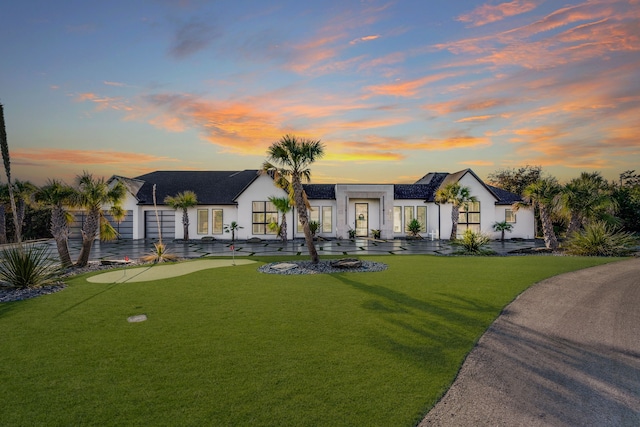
x=24, y=192
x=4, y=147
x=283, y=206
x=502, y=226
x=457, y=195
x=289, y=159
x=543, y=195
x=57, y=196
x=232, y=228
x=91, y=194
x=184, y=201
x=586, y=198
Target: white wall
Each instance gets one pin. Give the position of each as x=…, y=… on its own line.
x=259, y=191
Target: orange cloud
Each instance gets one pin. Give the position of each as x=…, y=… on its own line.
x=49, y=156
x=487, y=13
x=407, y=88
x=364, y=39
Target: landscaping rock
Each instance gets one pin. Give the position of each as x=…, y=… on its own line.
x=346, y=263
x=137, y=318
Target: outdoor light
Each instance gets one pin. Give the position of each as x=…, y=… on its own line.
x=361, y=217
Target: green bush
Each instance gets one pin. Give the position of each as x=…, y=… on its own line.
x=28, y=267
x=473, y=243
x=600, y=239
x=414, y=227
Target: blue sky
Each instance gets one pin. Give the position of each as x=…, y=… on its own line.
x=394, y=89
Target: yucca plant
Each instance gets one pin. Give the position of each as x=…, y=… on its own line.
x=159, y=253
x=600, y=239
x=28, y=267
x=473, y=243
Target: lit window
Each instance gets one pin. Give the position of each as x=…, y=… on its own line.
x=469, y=218
x=509, y=216
x=397, y=219
x=264, y=213
x=408, y=216
x=422, y=217
x=217, y=221
x=203, y=221
x=327, y=219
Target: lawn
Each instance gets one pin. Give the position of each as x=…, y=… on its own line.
x=232, y=346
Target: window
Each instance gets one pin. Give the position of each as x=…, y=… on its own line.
x=327, y=219
x=217, y=221
x=422, y=217
x=313, y=214
x=203, y=221
x=263, y=214
x=408, y=216
x=509, y=215
x=397, y=219
x=469, y=217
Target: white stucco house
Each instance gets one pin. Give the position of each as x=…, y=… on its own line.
x=243, y=196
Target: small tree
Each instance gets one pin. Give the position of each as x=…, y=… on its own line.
x=457, y=195
x=232, y=228
x=414, y=227
x=184, y=201
x=502, y=226
x=283, y=206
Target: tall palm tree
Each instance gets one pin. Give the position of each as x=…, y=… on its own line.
x=24, y=192
x=457, y=195
x=91, y=194
x=4, y=148
x=58, y=196
x=283, y=206
x=587, y=198
x=289, y=159
x=543, y=195
x=184, y=201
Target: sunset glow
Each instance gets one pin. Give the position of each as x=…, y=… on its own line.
x=393, y=89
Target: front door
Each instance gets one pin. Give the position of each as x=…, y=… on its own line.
x=362, y=219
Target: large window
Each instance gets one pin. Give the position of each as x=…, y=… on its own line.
x=469, y=217
x=313, y=214
x=327, y=219
x=263, y=214
x=408, y=216
x=422, y=217
x=217, y=221
x=509, y=216
x=397, y=219
x=203, y=221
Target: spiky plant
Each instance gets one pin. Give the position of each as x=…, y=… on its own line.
x=472, y=243
x=28, y=267
x=158, y=254
x=599, y=239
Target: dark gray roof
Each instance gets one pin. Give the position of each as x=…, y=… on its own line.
x=412, y=191
x=211, y=187
x=504, y=197
x=320, y=191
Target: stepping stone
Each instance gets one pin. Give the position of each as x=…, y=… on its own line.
x=137, y=318
x=347, y=263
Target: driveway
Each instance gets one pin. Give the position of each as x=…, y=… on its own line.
x=565, y=353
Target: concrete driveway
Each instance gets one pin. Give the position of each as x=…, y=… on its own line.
x=564, y=353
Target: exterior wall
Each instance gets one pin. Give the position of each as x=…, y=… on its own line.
x=380, y=200
x=523, y=228
x=432, y=217
x=259, y=191
x=316, y=204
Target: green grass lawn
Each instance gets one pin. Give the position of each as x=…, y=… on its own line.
x=232, y=346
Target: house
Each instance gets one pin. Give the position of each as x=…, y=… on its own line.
x=341, y=209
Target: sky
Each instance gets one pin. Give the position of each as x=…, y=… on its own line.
x=393, y=89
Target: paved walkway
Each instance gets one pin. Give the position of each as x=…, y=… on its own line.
x=566, y=352
x=135, y=249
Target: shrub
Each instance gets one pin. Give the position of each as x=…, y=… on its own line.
x=600, y=239
x=473, y=243
x=314, y=226
x=159, y=253
x=28, y=267
x=414, y=227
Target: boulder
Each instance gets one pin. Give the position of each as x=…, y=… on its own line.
x=346, y=263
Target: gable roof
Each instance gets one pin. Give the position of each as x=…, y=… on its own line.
x=504, y=197
x=211, y=187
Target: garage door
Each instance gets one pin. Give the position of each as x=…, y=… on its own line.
x=167, y=221
x=124, y=228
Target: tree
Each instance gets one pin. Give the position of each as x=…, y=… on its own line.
x=283, y=206
x=289, y=159
x=515, y=180
x=184, y=201
x=587, y=198
x=4, y=147
x=57, y=196
x=457, y=195
x=502, y=226
x=91, y=194
x=4, y=200
x=543, y=195
x=232, y=228
x=627, y=198
x=24, y=192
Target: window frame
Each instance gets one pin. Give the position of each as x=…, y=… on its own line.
x=263, y=212
x=215, y=230
x=202, y=227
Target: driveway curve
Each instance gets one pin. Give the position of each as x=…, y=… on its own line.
x=566, y=352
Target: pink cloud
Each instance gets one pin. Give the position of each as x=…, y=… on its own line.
x=488, y=13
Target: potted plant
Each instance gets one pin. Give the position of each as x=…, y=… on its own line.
x=375, y=233
x=414, y=228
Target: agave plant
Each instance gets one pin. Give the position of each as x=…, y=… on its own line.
x=159, y=253
x=28, y=267
x=600, y=239
x=473, y=243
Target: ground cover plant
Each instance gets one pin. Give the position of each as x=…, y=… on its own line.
x=232, y=346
